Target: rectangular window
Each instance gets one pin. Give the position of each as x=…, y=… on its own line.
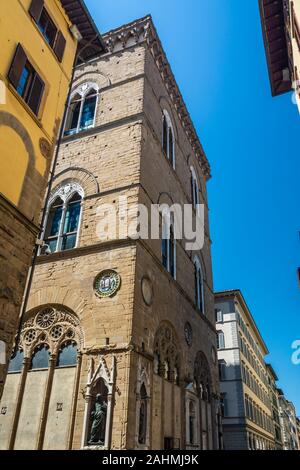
x=46, y=25
x=26, y=80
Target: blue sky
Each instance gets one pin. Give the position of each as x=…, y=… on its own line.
x=216, y=52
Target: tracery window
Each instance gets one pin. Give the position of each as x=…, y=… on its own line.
x=143, y=415
x=194, y=189
x=168, y=142
x=63, y=218
x=82, y=109
x=49, y=331
x=168, y=247
x=199, y=287
x=167, y=355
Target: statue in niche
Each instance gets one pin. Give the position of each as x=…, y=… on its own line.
x=98, y=419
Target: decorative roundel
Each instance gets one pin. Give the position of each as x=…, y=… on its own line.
x=56, y=332
x=107, y=283
x=214, y=354
x=45, y=318
x=188, y=333
x=30, y=336
x=147, y=291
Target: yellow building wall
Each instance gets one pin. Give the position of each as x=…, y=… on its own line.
x=17, y=26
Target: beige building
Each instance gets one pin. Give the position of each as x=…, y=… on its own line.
x=274, y=397
x=281, y=31
x=244, y=386
x=118, y=347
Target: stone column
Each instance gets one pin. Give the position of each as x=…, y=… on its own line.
x=46, y=402
x=26, y=364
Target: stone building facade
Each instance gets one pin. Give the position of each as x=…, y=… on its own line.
x=118, y=347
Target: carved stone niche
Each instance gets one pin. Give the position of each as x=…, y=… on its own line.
x=97, y=423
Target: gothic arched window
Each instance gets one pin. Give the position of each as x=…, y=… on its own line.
x=168, y=247
x=16, y=362
x=199, y=287
x=67, y=355
x=166, y=355
x=143, y=416
x=82, y=109
x=194, y=189
x=40, y=358
x=168, y=142
x=63, y=219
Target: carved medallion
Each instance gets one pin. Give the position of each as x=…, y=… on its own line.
x=45, y=148
x=107, y=283
x=147, y=291
x=188, y=333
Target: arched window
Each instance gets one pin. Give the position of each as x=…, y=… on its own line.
x=16, y=362
x=221, y=340
x=168, y=138
x=67, y=355
x=194, y=189
x=199, y=288
x=40, y=358
x=63, y=219
x=168, y=246
x=143, y=416
x=82, y=109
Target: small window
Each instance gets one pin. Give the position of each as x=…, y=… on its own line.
x=26, y=80
x=47, y=27
x=40, y=358
x=222, y=370
x=82, y=111
x=143, y=416
x=219, y=315
x=194, y=189
x=168, y=141
x=198, y=289
x=168, y=246
x=221, y=340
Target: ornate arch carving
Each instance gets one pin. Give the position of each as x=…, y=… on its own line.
x=202, y=375
x=84, y=177
x=166, y=353
x=52, y=326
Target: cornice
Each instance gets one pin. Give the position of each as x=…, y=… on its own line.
x=143, y=31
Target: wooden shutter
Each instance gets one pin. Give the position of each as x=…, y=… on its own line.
x=36, y=94
x=17, y=66
x=60, y=46
x=36, y=8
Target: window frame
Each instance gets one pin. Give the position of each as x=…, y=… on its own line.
x=168, y=126
x=83, y=92
x=61, y=234
x=168, y=242
x=199, y=298
x=220, y=346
